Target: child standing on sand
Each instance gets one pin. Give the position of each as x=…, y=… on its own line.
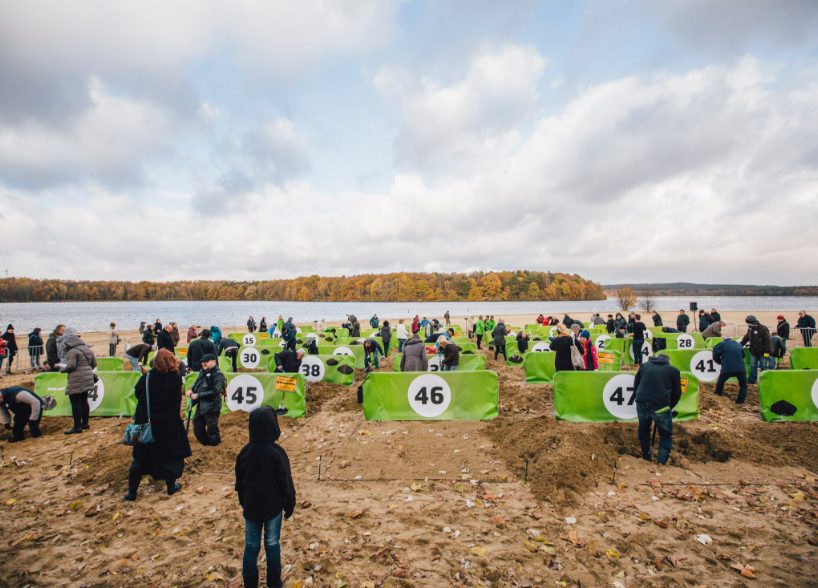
x=265, y=487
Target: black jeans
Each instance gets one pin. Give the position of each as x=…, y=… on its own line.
x=22, y=414
x=479, y=339
x=500, y=348
x=206, y=428
x=637, y=351
x=135, y=474
x=232, y=353
x=80, y=409
x=742, y=384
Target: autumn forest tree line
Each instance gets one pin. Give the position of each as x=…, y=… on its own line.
x=395, y=287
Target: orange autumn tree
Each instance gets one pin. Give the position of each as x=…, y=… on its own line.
x=394, y=287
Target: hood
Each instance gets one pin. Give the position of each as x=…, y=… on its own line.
x=72, y=341
x=264, y=425
x=413, y=340
x=660, y=360
x=69, y=331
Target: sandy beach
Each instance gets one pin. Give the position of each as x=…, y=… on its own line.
x=524, y=500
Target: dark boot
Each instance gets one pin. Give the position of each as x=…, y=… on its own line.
x=130, y=495
x=34, y=427
x=73, y=431
x=173, y=487
x=250, y=581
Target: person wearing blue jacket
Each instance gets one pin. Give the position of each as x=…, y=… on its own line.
x=730, y=355
x=215, y=334
x=658, y=388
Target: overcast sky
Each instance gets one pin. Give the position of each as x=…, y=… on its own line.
x=624, y=140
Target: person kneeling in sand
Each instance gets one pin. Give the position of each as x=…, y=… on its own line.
x=658, y=388
x=207, y=394
x=266, y=491
x=27, y=408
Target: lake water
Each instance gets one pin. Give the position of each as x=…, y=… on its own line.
x=95, y=316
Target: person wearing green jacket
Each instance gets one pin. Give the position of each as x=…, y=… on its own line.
x=490, y=324
x=479, y=329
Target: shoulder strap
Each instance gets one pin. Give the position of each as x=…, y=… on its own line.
x=148, y=394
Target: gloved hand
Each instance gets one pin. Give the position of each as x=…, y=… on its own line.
x=766, y=355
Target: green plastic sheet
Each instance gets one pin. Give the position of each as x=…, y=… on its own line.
x=390, y=396
x=610, y=396
x=789, y=395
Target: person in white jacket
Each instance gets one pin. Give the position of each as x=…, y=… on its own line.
x=402, y=334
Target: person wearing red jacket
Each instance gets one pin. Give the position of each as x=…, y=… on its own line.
x=588, y=351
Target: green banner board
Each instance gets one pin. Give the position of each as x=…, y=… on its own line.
x=248, y=391
x=609, y=360
x=468, y=363
x=625, y=348
x=331, y=369
x=610, y=396
x=698, y=362
x=788, y=395
x=113, y=395
x=683, y=340
x=804, y=358
x=397, y=396
x=711, y=342
x=539, y=367
x=357, y=351
x=109, y=364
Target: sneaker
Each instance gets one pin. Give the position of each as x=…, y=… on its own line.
x=129, y=496
x=73, y=431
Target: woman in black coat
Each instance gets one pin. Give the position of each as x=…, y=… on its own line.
x=562, y=345
x=165, y=458
x=35, y=347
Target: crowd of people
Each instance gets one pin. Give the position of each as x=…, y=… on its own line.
x=264, y=484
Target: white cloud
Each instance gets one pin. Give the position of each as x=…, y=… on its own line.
x=442, y=124
x=108, y=142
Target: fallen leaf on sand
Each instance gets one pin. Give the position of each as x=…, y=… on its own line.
x=10, y=501
x=478, y=551
x=704, y=539
x=306, y=504
x=613, y=553
x=573, y=538
x=356, y=514
x=531, y=546
x=747, y=571
x=214, y=577
x=364, y=432
x=74, y=505
x=416, y=487
x=498, y=520
x=116, y=516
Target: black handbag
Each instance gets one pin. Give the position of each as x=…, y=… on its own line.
x=138, y=435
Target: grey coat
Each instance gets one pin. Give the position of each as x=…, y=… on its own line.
x=61, y=350
x=414, y=356
x=79, y=365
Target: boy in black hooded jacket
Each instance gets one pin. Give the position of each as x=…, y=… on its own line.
x=265, y=487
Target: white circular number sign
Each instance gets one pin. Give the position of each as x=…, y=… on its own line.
x=429, y=395
x=646, y=350
x=342, y=351
x=705, y=368
x=602, y=341
x=648, y=334
x=619, y=396
x=685, y=341
x=244, y=393
x=434, y=363
x=249, y=357
x=282, y=344
x=249, y=340
x=312, y=368
x=815, y=393
x=96, y=395
x=541, y=346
